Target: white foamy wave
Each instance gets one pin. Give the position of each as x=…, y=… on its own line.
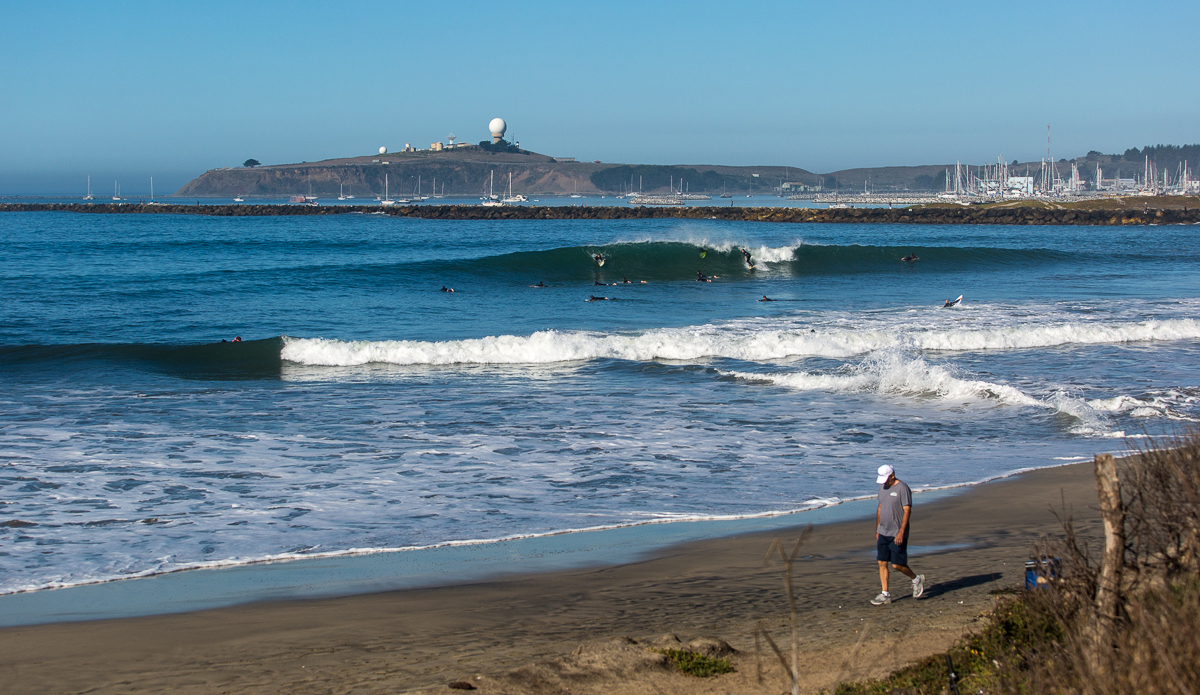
x=895, y=372
x=703, y=342
x=1074, y=333
x=1161, y=405
x=761, y=253
x=546, y=347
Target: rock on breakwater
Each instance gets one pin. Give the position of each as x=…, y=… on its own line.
x=1005, y=215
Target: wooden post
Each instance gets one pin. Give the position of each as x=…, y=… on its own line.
x=1108, y=589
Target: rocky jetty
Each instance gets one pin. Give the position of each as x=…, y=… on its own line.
x=1146, y=214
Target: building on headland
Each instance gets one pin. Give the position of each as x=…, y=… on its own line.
x=497, y=127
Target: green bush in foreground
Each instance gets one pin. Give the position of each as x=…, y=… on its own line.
x=697, y=665
x=1016, y=629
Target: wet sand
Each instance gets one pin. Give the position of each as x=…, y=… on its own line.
x=968, y=545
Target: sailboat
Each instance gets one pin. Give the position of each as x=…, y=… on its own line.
x=387, y=199
x=116, y=191
x=341, y=193
x=576, y=193
x=510, y=198
x=491, y=200
x=89, y=195
x=349, y=197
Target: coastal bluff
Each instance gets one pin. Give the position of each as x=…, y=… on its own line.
x=1110, y=212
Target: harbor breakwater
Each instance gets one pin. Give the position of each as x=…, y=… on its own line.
x=1014, y=215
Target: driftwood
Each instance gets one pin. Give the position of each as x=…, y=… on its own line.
x=1108, y=589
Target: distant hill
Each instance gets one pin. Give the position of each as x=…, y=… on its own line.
x=467, y=170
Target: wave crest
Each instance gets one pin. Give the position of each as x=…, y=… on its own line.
x=706, y=342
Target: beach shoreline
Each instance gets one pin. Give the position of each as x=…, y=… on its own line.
x=971, y=544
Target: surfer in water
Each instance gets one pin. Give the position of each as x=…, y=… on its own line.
x=766, y=299
x=599, y=258
x=952, y=302
x=701, y=277
x=540, y=284
x=749, y=260
x=446, y=289
x=910, y=258
x=594, y=298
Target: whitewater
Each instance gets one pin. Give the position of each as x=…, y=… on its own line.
x=367, y=411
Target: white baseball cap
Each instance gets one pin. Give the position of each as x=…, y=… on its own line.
x=884, y=471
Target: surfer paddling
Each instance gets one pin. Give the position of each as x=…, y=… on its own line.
x=766, y=299
x=701, y=277
x=910, y=258
x=446, y=289
x=594, y=298
x=952, y=302
x=599, y=258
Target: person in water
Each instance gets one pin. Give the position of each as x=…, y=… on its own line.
x=447, y=289
x=766, y=299
x=949, y=303
x=746, y=255
x=599, y=258
x=909, y=258
x=540, y=284
x=237, y=339
x=701, y=277
x=625, y=280
x=594, y=298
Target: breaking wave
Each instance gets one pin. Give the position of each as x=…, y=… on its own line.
x=707, y=342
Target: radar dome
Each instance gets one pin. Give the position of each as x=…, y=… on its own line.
x=382, y=150
x=497, y=126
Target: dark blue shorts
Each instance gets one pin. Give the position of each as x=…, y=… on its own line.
x=886, y=550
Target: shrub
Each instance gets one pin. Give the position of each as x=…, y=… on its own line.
x=697, y=665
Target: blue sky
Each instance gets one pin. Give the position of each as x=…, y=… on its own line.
x=133, y=89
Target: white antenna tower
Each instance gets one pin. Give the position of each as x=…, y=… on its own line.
x=451, y=137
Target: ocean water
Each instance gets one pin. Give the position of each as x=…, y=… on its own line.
x=366, y=410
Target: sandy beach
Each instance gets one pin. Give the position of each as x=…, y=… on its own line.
x=969, y=546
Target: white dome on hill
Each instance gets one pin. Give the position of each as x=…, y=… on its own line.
x=382, y=150
x=497, y=126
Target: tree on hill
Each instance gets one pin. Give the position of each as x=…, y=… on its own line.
x=251, y=163
x=502, y=146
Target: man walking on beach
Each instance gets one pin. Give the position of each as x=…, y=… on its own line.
x=891, y=533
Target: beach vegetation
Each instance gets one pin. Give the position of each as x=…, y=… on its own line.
x=251, y=163
x=697, y=665
x=1119, y=616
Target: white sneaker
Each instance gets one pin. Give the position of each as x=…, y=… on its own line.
x=919, y=586
x=882, y=598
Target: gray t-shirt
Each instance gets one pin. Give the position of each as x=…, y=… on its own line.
x=892, y=501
